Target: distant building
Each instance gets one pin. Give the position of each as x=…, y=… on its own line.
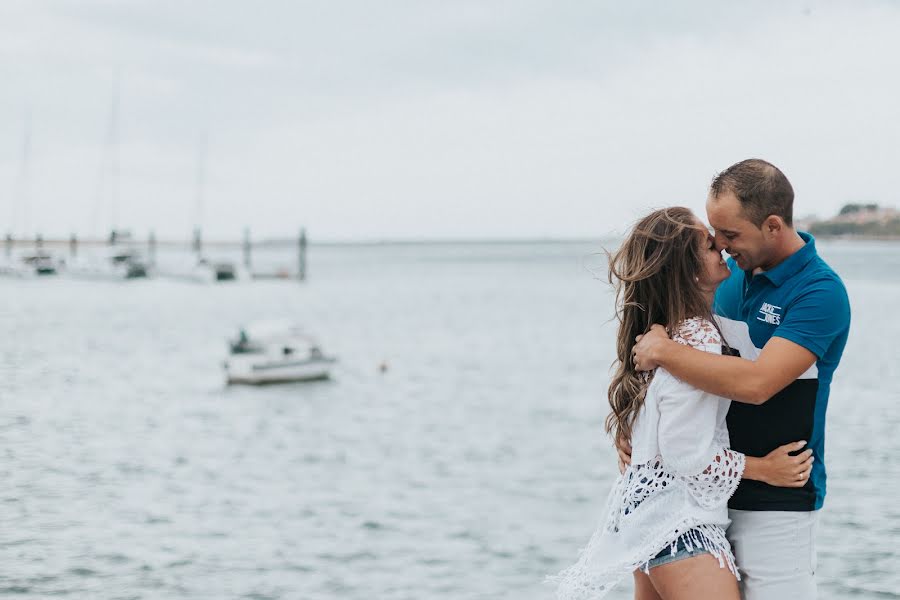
x=865, y=213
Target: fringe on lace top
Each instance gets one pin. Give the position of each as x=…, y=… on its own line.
x=677, y=487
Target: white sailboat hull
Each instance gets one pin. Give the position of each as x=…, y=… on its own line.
x=101, y=272
x=193, y=274
x=205, y=272
x=260, y=370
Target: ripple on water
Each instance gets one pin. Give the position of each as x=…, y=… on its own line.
x=347, y=557
x=15, y=589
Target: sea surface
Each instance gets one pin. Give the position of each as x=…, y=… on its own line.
x=473, y=467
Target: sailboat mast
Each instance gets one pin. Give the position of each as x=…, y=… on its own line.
x=199, y=193
x=106, y=201
x=21, y=216
x=200, y=181
x=114, y=150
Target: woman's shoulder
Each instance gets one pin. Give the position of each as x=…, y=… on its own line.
x=698, y=332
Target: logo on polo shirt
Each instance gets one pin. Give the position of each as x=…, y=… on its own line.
x=769, y=313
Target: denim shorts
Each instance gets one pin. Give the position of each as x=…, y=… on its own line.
x=666, y=555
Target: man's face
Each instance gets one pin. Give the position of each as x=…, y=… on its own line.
x=735, y=234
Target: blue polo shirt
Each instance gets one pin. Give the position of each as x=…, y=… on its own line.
x=802, y=300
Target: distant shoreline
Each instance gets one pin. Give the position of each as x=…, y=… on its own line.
x=858, y=237
x=547, y=241
x=291, y=243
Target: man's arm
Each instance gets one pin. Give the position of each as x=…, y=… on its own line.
x=779, y=467
x=753, y=382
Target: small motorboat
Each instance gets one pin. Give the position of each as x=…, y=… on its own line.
x=275, y=352
x=32, y=264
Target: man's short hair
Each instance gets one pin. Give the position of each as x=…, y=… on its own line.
x=760, y=186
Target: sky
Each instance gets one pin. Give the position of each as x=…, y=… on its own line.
x=429, y=119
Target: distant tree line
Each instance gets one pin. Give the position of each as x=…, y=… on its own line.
x=873, y=229
x=849, y=209
x=888, y=228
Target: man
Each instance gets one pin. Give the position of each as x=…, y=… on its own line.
x=798, y=312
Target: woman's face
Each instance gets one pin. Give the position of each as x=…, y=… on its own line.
x=713, y=268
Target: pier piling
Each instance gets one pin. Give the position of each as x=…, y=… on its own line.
x=301, y=267
x=247, y=249
x=197, y=244
x=151, y=250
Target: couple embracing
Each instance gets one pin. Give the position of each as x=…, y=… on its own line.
x=718, y=401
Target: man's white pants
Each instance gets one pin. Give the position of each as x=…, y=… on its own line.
x=775, y=553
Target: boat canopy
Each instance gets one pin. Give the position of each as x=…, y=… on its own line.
x=259, y=335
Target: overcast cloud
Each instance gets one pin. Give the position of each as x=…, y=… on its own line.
x=435, y=119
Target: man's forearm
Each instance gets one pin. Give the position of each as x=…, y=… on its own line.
x=726, y=376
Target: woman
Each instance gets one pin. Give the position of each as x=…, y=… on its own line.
x=667, y=513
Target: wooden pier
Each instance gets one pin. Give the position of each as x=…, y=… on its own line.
x=74, y=247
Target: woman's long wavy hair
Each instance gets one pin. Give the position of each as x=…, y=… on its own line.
x=655, y=274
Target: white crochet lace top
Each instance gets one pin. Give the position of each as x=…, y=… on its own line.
x=681, y=476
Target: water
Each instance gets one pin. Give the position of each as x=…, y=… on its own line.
x=472, y=468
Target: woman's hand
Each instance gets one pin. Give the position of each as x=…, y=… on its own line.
x=779, y=468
